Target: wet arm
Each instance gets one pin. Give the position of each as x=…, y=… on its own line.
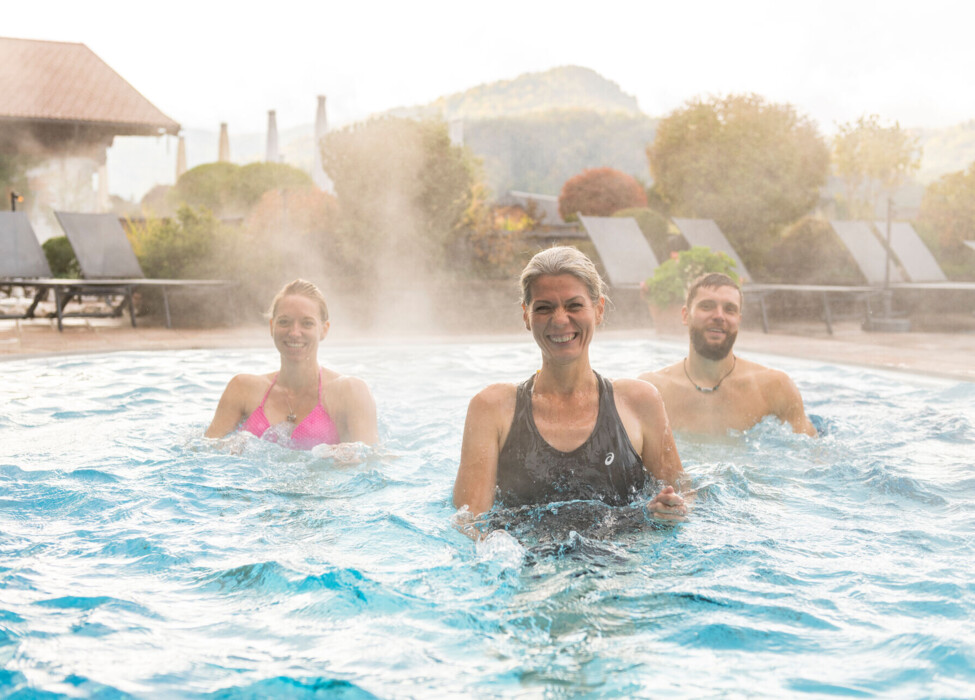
x=661, y=460
x=478, y=472
x=659, y=454
x=789, y=407
x=229, y=411
x=361, y=414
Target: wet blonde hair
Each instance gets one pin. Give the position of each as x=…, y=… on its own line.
x=301, y=288
x=562, y=260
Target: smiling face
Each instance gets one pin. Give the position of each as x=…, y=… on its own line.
x=713, y=319
x=561, y=316
x=297, y=327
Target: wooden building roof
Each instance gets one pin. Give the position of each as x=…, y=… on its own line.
x=56, y=82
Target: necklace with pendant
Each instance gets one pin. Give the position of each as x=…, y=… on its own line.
x=291, y=418
x=703, y=389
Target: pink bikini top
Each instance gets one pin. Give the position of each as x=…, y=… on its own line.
x=317, y=427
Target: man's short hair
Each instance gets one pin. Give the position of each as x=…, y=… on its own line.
x=712, y=280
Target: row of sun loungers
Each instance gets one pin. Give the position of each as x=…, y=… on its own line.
x=628, y=260
x=108, y=266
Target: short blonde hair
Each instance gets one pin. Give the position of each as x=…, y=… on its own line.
x=302, y=288
x=562, y=260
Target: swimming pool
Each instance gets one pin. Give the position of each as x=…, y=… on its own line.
x=138, y=559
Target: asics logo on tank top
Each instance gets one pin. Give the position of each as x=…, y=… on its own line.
x=610, y=456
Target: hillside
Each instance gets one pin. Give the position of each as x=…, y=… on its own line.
x=536, y=131
x=538, y=152
x=566, y=87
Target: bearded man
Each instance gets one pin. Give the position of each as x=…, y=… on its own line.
x=712, y=390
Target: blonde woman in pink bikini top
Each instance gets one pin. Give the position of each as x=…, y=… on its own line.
x=302, y=404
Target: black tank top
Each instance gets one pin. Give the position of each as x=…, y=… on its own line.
x=604, y=468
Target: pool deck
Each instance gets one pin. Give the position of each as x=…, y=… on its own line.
x=949, y=355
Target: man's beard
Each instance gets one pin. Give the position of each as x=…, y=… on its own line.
x=712, y=352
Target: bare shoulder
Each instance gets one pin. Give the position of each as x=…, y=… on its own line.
x=491, y=410
x=246, y=384
x=348, y=385
x=768, y=379
x=636, y=391
x=346, y=395
x=777, y=388
x=495, y=398
x=662, y=376
x=639, y=398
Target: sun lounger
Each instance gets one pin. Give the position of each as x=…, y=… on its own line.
x=918, y=263
x=706, y=232
x=21, y=254
x=920, y=267
x=22, y=261
x=625, y=253
x=108, y=263
x=912, y=267
x=867, y=251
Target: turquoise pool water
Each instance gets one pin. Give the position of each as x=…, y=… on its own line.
x=139, y=560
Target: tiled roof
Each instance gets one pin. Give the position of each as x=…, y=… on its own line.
x=57, y=81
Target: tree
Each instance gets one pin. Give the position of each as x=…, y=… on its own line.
x=873, y=160
x=599, y=192
x=750, y=165
x=947, y=220
x=291, y=232
x=230, y=190
x=209, y=186
x=402, y=189
x=255, y=179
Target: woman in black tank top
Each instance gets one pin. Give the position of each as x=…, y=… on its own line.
x=566, y=433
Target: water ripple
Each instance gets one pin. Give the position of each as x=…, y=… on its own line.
x=138, y=559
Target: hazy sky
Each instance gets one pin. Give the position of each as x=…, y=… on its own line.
x=204, y=62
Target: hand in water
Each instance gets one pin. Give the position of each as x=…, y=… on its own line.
x=668, y=505
x=343, y=453
x=469, y=524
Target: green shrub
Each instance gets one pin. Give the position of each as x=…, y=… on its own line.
x=211, y=186
x=254, y=179
x=669, y=283
x=61, y=258
x=179, y=248
x=230, y=190
x=191, y=245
